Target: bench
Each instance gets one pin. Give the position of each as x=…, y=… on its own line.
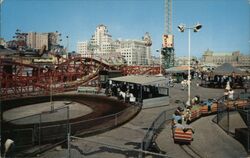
x=204, y=109
x=195, y=114
x=214, y=107
x=182, y=137
x=241, y=104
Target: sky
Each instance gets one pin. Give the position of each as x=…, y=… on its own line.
x=226, y=23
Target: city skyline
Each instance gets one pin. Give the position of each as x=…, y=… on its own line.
x=225, y=22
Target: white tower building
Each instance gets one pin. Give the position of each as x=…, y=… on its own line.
x=101, y=41
x=135, y=52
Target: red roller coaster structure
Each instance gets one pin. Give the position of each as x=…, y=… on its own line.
x=16, y=81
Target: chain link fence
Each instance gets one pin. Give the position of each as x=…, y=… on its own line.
x=36, y=130
x=39, y=130
x=235, y=119
x=84, y=147
x=148, y=143
x=243, y=134
x=153, y=130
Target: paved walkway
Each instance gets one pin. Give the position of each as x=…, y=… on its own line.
x=209, y=139
x=128, y=136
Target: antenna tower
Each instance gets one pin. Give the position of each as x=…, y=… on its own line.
x=167, y=49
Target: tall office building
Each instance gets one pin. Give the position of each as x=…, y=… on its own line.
x=41, y=40
x=82, y=49
x=37, y=40
x=31, y=40
x=135, y=52
x=2, y=42
x=101, y=41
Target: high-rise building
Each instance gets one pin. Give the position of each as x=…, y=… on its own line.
x=101, y=41
x=2, y=42
x=37, y=40
x=41, y=40
x=135, y=52
x=82, y=49
x=31, y=40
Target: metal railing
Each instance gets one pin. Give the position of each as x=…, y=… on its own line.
x=243, y=135
x=40, y=132
x=223, y=118
x=153, y=129
x=34, y=130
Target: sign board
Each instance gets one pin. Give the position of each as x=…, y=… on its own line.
x=168, y=41
x=42, y=60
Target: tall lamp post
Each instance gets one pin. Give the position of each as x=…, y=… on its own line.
x=67, y=55
x=196, y=28
x=157, y=50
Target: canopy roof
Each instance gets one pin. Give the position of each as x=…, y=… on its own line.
x=227, y=69
x=141, y=79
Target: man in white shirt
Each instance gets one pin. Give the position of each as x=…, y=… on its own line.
x=231, y=94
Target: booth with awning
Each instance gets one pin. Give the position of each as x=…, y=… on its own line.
x=141, y=86
x=179, y=73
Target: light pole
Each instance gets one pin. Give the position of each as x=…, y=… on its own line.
x=195, y=28
x=67, y=55
x=157, y=50
x=52, y=108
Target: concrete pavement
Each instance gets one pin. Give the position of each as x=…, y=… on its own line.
x=209, y=139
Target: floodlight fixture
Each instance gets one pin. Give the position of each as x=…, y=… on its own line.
x=181, y=27
x=197, y=27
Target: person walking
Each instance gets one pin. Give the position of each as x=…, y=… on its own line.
x=9, y=148
x=231, y=94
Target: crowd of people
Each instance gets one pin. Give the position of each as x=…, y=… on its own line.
x=221, y=81
x=124, y=92
x=130, y=92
